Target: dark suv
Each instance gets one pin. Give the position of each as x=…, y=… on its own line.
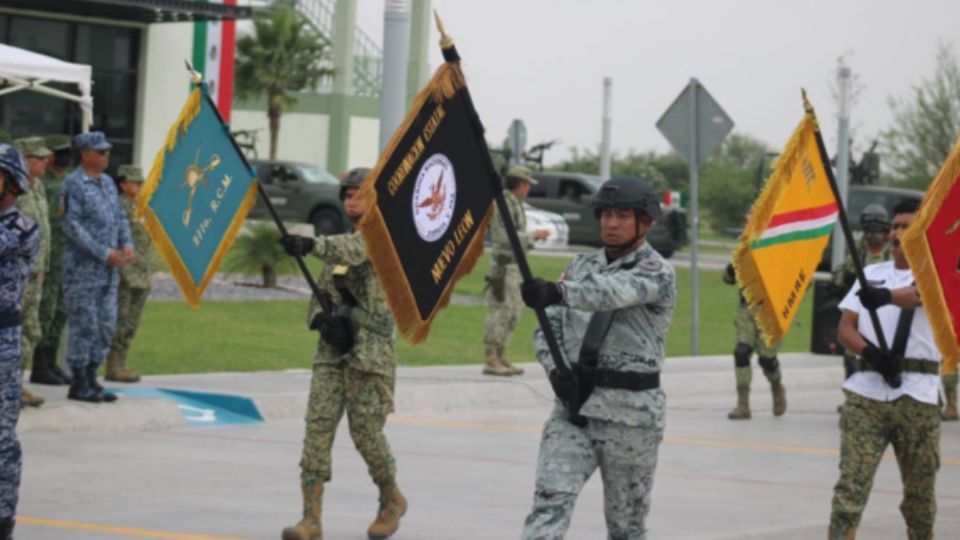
x=571, y=196
x=301, y=193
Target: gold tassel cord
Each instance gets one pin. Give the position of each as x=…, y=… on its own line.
x=917, y=250
x=748, y=274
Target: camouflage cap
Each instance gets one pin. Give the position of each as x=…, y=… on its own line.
x=32, y=146
x=521, y=173
x=94, y=139
x=130, y=173
x=58, y=142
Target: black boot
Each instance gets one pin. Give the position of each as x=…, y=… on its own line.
x=80, y=389
x=54, y=367
x=95, y=386
x=6, y=528
x=41, y=374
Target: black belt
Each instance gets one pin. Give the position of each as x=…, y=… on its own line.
x=913, y=365
x=8, y=320
x=625, y=380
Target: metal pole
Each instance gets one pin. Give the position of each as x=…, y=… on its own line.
x=694, y=218
x=396, y=48
x=843, y=160
x=605, y=135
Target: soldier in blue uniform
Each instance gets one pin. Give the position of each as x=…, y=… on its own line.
x=19, y=244
x=98, y=243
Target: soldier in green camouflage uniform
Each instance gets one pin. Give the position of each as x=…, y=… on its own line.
x=872, y=248
x=354, y=371
x=53, y=317
x=750, y=339
x=134, y=280
x=34, y=204
x=503, y=279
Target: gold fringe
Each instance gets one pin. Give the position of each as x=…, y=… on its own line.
x=383, y=255
x=748, y=274
x=917, y=250
x=190, y=111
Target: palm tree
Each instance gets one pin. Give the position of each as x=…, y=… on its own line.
x=283, y=55
x=259, y=250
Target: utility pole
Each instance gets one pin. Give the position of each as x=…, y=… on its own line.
x=396, y=48
x=605, y=136
x=843, y=159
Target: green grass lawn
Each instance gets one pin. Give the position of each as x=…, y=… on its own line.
x=256, y=335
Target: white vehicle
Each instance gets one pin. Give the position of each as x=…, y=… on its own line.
x=541, y=219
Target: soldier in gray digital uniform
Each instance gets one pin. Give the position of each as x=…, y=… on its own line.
x=98, y=243
x=610, y=312
x=19, y=245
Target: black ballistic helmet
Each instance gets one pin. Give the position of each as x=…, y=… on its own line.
x=353, y=178
x=625, y=192
x=875, y=215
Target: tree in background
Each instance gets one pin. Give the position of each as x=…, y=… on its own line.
x=259, y=250
x=925, y=126
x=283, y=55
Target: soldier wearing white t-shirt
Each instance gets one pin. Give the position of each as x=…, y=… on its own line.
x=892, y=398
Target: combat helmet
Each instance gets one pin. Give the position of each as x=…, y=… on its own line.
x=875, y=214
x=11, y=161
x=626, y=192
x=352, y=179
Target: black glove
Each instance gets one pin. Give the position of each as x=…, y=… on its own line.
x=296, y=245
x=539, y=293
x=566, y=388
x=729, y=275
x=874, y=297
x=884, y=364
x=336, y=330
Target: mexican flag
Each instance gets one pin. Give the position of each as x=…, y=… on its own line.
x=789, y=226
x=214, y=45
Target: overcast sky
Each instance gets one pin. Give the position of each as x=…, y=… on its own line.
x=544, y=61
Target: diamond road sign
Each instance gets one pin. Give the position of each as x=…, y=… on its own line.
x=712, y=124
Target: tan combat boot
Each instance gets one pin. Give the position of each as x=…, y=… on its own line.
x=29, y=399
x=492, y=365
x=117, y=371
x=949, y=413
x=309, y=527
x=742, y=410
x=392, y=507
x=511, y=369
x=779, y=398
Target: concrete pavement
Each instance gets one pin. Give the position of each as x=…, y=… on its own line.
x=466, y=447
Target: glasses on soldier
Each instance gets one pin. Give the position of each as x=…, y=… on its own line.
x=103, y=152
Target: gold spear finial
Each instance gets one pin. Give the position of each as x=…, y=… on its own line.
x=445, y=41
x=195, y=76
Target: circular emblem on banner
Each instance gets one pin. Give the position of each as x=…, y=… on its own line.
x=434, y=197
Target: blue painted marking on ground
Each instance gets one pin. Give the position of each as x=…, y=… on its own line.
x=202, y=408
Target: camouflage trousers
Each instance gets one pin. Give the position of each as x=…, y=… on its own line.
x=503, y=309
x=748, y=333
x=53, y=314
x=10, y=457
x=367, y=398
x=867, y=427
x=30, y=310
x=130, y=302
x=92, y=315
x=627, y=458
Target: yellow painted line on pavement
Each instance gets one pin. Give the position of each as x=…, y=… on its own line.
x=111, y=529
x=681, y=441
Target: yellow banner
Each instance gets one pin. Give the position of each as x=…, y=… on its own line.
x=788, y=229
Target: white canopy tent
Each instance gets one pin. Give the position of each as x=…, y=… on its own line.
x=27, y=70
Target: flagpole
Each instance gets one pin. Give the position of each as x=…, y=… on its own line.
x=450, y=54
x=326, y=302
x=845, y=224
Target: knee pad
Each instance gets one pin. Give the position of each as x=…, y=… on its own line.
x=769, y=365
x=741, y=355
